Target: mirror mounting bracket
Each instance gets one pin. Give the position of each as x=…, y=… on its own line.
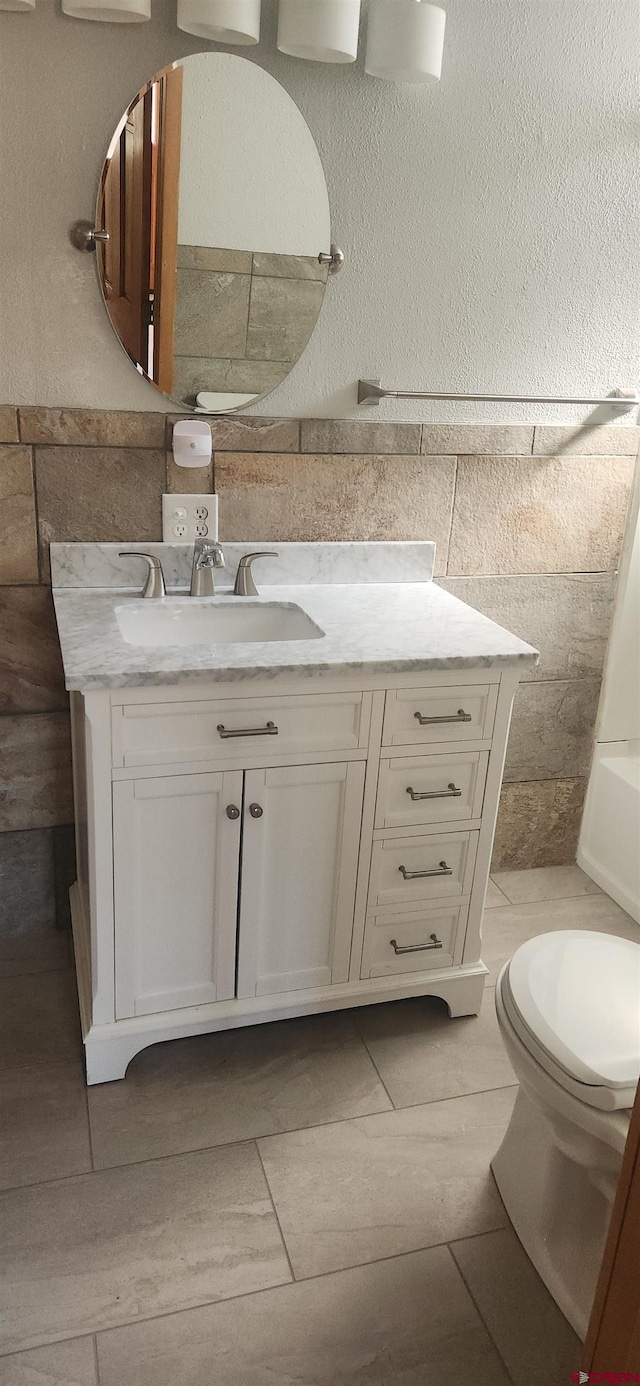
x=335, y=259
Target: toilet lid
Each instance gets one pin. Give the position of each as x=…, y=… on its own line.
x=578, y=994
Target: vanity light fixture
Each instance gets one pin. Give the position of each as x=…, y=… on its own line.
x=324, y=31
x=405, y=40
x=109, y=11
x=221, y=21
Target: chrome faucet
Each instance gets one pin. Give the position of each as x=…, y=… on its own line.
x=206, y=557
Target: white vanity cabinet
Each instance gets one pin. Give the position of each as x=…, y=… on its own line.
x=253, y=851
x=194, y=869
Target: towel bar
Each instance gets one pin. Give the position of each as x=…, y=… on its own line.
x=371, y=392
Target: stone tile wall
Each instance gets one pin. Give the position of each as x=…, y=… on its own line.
x=242, y=319
x=528, y=537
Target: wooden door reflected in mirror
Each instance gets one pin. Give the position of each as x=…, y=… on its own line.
x=138, y=204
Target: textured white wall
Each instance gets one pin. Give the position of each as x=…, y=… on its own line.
x=619, y=714
x=490, y=222
x=250, y=174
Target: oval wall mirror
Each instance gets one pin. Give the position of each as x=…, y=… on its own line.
x=215, y=204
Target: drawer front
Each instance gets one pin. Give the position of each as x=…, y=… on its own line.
x=225, y=730
x=414, y=716
x=425, y=940
x=414, y=790
x=404, y=869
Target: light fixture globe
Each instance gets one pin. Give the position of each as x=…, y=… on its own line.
x=323, y=31
x=109, y=11
x=405, y=40
x=236, y=22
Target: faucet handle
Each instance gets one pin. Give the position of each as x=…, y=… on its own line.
x=244, y=584
x=154, y=585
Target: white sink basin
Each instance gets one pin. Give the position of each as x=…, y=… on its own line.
x=213, y=621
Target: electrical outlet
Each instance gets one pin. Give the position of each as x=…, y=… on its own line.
x=186, y=518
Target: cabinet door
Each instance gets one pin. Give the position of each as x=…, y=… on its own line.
x=176, y=856
x=299, y=860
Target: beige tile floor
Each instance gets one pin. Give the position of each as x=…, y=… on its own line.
x=308, y=1203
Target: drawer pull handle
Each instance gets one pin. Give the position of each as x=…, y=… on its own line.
x=416, y=947
x=441, y=870
x=459, y=716
x=452, y=792
x=270, y=730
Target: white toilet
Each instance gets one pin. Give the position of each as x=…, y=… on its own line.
x=568, y=1007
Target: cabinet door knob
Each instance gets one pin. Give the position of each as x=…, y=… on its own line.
x=255, y=811
x=232, y=811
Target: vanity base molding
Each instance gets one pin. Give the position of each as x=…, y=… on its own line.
x=109, y=1049
x=229, y=875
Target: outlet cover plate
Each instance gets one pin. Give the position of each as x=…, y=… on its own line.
x=187, y=518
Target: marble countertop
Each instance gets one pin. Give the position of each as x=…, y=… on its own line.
x=391, y=627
